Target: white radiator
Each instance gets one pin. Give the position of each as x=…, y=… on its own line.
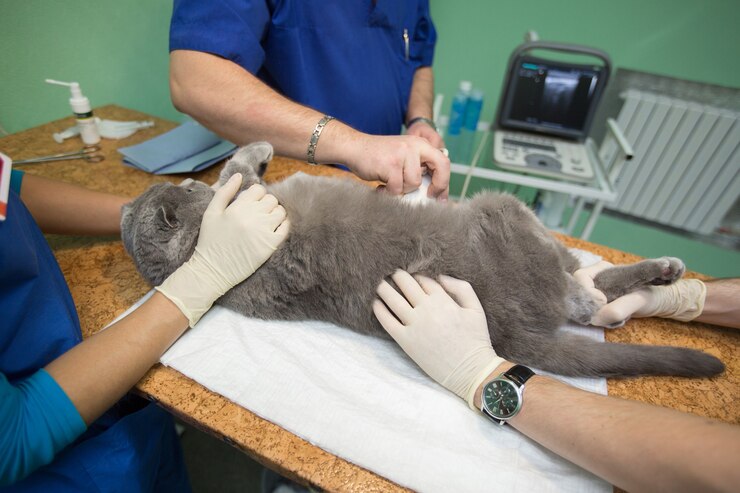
x=686, y=167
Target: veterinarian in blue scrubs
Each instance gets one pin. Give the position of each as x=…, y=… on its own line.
x=65, y=419
x=276, y=70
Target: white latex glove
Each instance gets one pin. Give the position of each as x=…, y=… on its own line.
x=234, y=241
x=682, y=300
x=442, y=327
x=585, y=278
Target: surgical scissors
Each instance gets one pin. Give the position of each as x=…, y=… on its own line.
x=88, y=153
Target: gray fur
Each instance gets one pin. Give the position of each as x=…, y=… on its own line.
x=623, y=279
x=345, y=238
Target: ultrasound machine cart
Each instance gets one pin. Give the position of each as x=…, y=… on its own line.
x=540, y=136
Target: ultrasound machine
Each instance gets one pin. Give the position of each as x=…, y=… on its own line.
x=546, y=110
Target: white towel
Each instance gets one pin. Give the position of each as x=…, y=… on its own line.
x=362, y=399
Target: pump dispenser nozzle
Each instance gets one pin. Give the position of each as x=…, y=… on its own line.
x=80, y=104
x=82, y=110
x=74, y=85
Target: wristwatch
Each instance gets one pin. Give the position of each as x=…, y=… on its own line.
x=502, y=397
x=422, y=119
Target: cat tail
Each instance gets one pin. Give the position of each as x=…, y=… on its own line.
x=575, y=355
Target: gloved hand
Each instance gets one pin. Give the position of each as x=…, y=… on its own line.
x=442, y=327
x=682, y=300
x=234, y=241
x=585, y=278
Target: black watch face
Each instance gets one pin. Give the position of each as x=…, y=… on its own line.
x=501, y=398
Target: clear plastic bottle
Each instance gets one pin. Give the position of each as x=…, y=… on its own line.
x=86, y=123
x=459, y=104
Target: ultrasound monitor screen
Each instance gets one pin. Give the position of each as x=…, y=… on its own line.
x=552, y=96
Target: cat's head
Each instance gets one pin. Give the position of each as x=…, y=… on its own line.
x=160, y=228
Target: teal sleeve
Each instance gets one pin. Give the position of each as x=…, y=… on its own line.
x=16, y=179
x=37, y=420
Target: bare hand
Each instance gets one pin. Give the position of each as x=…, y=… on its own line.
x=398, y=161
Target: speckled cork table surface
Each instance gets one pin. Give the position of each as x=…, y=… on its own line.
x=104, y=283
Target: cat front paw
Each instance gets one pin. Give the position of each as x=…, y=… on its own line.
x=251, y=161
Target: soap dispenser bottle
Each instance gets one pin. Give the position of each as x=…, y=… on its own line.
x=83, y=112
x=459, y=103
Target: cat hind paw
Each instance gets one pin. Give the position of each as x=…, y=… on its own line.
x=671, y=270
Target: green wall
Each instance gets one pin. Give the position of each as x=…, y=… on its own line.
x=688, y=39
x=117, y=49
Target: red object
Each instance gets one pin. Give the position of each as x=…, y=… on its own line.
x=5, y=164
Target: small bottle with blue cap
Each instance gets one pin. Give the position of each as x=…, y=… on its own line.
x=459, y=104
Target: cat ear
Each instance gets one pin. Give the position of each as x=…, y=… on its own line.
x=166, y=218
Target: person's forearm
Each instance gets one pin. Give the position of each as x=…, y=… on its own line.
x=238, y=106
x=100, y=370
x=421, y=98
x=59, y=207
x=722, y=304
x=636, y=446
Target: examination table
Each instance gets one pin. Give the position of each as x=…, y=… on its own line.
x=104, y=283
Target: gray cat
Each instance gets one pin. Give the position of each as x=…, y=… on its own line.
x=345, y=238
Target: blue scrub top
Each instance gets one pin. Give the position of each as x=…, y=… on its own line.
x=133, y=446
x=341, y=57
